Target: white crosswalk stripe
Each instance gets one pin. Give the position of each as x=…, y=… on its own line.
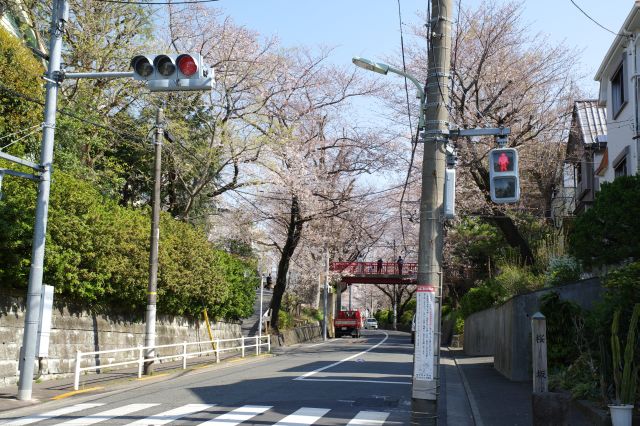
x=107, y=415
x=369, y=418
x=303, y=416
x=50, y=414
x=237, y=416
x=171, y=415
x=121, y=415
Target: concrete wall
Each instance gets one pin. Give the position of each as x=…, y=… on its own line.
x=480, y=333
x=73, y=331
x=509, y=326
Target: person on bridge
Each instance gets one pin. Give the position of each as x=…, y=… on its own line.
x=400, y=263
x=380, y=265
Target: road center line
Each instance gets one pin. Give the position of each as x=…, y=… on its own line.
x=311, y=373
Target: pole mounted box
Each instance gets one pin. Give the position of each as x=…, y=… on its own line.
x=503, y=175
x=173, y=73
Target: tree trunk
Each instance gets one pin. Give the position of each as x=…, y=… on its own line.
x=513, y=236
x=294, y=231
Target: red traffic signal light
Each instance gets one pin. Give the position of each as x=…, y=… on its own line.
x=187, y=65
x=170, y=73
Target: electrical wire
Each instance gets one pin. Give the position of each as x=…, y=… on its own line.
x=20, y=131
x=414, y=141
x=125, y=135
x=596, y=22
x=37, y=129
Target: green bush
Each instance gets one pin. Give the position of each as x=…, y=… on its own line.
x=515, y=280
x=609, y=232
x=285, y=320
x=562, y=270
x=561, y=319
x=97, y=255
x=480, y=298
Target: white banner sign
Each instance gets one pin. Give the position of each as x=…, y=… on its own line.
x=425, y=318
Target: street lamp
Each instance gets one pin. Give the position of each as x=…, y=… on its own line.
x=430, y=241
x=384, y=69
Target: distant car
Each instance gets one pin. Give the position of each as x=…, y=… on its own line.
x=371, y=324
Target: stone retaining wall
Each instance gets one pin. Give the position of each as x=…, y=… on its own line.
x=73, y=331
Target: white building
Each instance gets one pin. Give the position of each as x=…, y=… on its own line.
x=620, y=92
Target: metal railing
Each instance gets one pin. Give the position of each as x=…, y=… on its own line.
x=139, y=352
x=374, y=268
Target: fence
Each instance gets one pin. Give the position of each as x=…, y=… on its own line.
x=140, y=351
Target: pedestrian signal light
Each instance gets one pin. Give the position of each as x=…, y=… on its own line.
x=503, y=175
x=171, y=73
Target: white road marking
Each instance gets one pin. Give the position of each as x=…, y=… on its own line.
x=237, y=416
x=369, y=418
x=311, y=373
x=108, y=415
x=384, y=382
x=171, y=415
x=49, y=415
x=303, y=416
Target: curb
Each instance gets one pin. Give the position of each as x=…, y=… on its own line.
x=472, y=402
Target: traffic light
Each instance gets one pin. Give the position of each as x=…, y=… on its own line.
x=172, y=73
x=503, y=175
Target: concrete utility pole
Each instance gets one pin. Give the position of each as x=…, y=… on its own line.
x=152, y=295
x=326, y=293
x=426, y=377
x=59, y=18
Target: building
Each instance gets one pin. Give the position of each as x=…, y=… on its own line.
x=619, y=93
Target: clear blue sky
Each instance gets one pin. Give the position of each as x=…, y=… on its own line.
x=370, y=28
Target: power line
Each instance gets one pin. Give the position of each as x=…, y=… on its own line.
x=594, y=21
x=114, y=130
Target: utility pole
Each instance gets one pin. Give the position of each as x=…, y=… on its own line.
x=152, y=295
x=326, y=292
x=59, y=18
x=427, y=353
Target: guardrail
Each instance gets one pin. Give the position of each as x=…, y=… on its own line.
x=140, y=351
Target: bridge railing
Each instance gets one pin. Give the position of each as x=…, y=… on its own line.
x=373, y=268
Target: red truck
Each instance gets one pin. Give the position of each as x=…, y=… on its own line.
x=348, y=323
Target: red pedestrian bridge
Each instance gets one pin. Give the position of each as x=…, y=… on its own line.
x=375, y=273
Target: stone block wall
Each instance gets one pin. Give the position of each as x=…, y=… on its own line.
x=84, y=331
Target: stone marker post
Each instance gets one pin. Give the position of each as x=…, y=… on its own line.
x=539, y=355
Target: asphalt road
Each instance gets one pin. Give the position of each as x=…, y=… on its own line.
x=365, y=381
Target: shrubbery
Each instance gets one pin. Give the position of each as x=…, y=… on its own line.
x=97, y=255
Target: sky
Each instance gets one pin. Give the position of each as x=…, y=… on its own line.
x=370, y=28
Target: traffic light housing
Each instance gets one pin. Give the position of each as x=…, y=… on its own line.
x=503, y=175
x=173, y=73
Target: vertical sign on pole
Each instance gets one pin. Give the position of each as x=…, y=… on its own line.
x=44, y=327
x=425, y=323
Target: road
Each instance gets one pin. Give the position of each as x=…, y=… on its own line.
x=346, y=381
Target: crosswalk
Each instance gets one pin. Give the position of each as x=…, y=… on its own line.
x=152, y=414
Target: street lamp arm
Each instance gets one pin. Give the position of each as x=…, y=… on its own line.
x=413, y=80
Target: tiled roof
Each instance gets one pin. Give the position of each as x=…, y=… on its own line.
x=592, y=121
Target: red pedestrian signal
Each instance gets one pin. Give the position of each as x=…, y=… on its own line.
x=503, y=175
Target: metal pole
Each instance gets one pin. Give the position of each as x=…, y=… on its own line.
x=350, y=285
x=325, y=318
x=150, y=323
x=59, y=18
x=260, y=320
x=433, y=168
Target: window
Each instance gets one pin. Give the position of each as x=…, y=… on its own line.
x=618, y=90
x=620, y=163
x=621, y=168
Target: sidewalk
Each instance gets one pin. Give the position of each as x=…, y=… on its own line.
x=489, y=398
x=112, y=379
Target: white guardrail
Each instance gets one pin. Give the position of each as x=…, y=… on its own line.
x=140, y=351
